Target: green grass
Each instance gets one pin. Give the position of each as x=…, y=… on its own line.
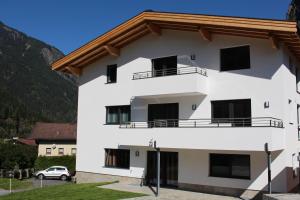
x=88, y=191
x=16, y=184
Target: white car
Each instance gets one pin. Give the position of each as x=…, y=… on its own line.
x=60, y=172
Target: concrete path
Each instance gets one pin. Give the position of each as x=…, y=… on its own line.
x=3, y=192
x=281, y=197
x=165, y=194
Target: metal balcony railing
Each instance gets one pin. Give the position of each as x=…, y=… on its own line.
x=169, y=72
x=206, y=123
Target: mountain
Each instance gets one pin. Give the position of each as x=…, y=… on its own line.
x=29, y=90
x=293, y=12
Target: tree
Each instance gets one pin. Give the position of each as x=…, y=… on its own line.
x=17, y=156
x=294, y=11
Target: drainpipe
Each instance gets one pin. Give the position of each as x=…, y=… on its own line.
x=269, y=159
x=158, y=169
x=298, y=159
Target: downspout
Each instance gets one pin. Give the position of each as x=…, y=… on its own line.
x=269, y=160
x=158, y=169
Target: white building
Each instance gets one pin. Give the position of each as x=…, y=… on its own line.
x=209, y=91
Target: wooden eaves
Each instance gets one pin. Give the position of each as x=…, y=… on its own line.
x=111, y=43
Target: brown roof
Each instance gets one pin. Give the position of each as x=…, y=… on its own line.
x=53, y=131
x=111, y=42
x=30, y=142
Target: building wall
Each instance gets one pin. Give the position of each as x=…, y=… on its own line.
x=268, y=80
x=54, y=151
x=193, y=169
x=290, y=105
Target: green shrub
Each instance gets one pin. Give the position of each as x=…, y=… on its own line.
x=17, y=156
x=43, y=162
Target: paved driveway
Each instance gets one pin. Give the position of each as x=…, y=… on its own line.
x=166, y=194
x=47, y=182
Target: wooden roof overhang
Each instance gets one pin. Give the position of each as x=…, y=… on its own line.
x=111, y=42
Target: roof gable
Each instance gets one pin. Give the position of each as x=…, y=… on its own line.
x=111, y=43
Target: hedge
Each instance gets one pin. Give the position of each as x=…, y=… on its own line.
x=44, y=162
x=17, y=156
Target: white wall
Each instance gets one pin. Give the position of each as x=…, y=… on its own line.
x=267, y=80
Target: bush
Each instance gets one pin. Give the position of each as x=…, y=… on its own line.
x=43, y=162
x=14, y=156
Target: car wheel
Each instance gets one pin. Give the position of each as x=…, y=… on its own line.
x=63, y=177
x=41, y=176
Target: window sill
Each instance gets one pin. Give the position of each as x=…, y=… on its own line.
x=110, y=83
x=230, y=177
x=108, y=167
x=115, y=124
x=233, y=69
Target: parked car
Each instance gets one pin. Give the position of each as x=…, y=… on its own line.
x=60, y=172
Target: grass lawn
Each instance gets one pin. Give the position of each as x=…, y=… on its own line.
x=88, y=191
x=16, y=184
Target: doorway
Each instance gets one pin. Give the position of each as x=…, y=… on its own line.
x=164, y=66
x=168, y=168
x=163, y=115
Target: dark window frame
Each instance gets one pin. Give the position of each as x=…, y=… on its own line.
x=231, y=156
x=50, y=152
x=230, y=111
x=157, y=108
x=155, y=73
x=109, y=71
x=119, y=107
x=224, y=68
x=59, y=151
x=116, y=153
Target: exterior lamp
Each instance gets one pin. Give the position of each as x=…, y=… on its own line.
x=194, y=106
x=137, y=153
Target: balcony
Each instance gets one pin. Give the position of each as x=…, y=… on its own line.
x=242, y=134
x=170, y=82
x=208, y=123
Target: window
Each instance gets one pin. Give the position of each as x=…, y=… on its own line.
x=73, y=151
x=61, y=151
x=118, y=158
x=164, y=66
x=60, y=169
x=50, y=169
x=230, y=166
x=111, y=73
x=163, y=115
x=117, y=114
x=236, y=112
x=292, y=67
x=48, y=151
x=235, y=58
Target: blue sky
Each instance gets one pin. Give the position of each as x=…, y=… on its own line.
x=68, y=24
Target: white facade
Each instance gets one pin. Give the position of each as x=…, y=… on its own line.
x=268, y=80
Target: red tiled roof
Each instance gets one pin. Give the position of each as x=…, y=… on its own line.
x=30, y=142
x=54, y=131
